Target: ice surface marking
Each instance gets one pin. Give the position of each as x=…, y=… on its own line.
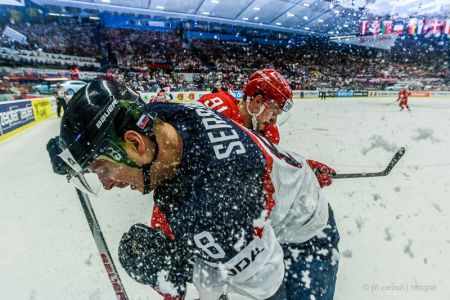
x=379, y=141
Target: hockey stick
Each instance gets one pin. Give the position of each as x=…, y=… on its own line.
x=102, y=247
x=385, y=172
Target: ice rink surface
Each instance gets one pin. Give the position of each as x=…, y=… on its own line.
x=395, y=236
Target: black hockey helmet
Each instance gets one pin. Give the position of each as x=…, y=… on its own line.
x=96, y=117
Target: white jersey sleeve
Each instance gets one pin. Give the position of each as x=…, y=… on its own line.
x=255, y=272
x=300, y=209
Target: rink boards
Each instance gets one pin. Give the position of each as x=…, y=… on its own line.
x=18, y=115
x=298, y=95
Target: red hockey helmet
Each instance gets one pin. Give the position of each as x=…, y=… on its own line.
x=272, y=86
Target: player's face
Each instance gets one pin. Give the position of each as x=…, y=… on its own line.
x=112, y=174
x=269, y=115
x=122, y=173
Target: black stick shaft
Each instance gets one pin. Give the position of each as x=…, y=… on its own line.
x=398, y=155
x=102, y=247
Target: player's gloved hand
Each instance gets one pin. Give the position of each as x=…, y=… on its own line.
x=323, y=172
x=149, y=257
x=53, y=149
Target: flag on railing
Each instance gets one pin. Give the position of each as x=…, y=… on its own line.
x=387, y=27
x=411, y=26
x=399, y=27
x=375, y=27
x=364, y=27
x=446, y=27
x=435, y=26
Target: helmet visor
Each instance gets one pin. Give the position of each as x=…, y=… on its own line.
x=82, y=177
x=283, y=118
x=88, y=183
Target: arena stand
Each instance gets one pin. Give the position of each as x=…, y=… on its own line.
x=146, y=60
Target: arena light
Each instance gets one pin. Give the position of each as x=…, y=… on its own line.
x=58, y=15
x=306, y=4
x=106, y=1
x=289, y=14
x=340, y=37
x=206, y=13
x=305, y=18
x=215, y=1
x=256, y=8
x=278, y=23
x=159, y=7
x=320, y=21
x=245, y=19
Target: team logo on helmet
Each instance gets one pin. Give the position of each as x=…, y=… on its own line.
x=288, y=105
x=106, y=113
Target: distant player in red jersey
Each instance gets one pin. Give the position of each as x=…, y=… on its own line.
x=403, y=98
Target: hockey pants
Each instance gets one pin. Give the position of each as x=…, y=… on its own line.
x=311, y=267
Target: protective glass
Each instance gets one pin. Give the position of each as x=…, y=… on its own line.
x=283, y=118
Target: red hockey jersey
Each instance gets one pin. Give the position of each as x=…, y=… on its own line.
x=227, y=105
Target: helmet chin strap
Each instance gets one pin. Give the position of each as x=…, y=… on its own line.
x=254, y=116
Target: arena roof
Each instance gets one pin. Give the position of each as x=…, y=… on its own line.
x=319, y=17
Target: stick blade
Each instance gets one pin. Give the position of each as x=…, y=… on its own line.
x=397, y=156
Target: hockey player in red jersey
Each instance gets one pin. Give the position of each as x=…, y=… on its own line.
x=403, y=98
x=266, y=95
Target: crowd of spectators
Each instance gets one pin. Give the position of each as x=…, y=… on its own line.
x=148, y=60
x=69, y=39
x=13, y=90
x=159, y=49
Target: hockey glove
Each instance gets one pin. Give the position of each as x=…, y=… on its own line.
x=53, y=149
x=322, y=172
x=149, y=257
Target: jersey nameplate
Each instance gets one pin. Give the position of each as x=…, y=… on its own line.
x=224, y=139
